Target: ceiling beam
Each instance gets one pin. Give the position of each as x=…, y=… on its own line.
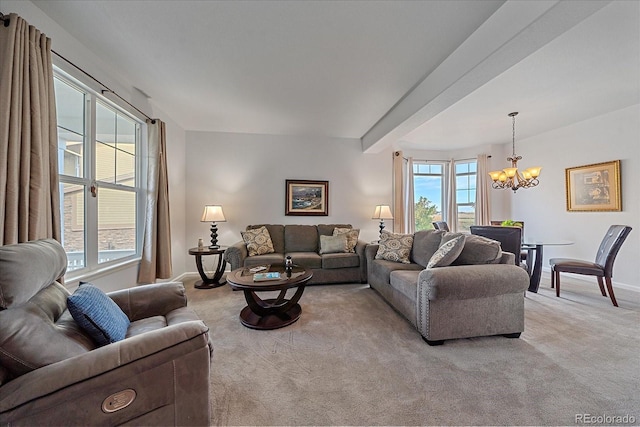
x=513, y=32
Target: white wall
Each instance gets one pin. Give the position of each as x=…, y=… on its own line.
x=72, y=49
x=613, y=136
x=246, y=175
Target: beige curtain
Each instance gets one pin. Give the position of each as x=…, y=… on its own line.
x=408, y=200
x=156, y=250
x=452, y=209
x=483, y=188
x=29, y=192
x=398, y=205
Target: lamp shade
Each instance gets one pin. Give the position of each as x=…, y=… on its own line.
x=382, y=212
x=213, y=213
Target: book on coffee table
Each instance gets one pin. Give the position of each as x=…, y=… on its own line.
x=261, y=277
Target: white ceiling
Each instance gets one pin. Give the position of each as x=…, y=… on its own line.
x=342, y=68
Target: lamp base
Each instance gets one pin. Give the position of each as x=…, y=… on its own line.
x=381, y=226
x=214, y=236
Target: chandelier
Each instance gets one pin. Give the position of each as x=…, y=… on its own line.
x=510, y=177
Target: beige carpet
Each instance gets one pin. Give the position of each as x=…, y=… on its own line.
x=352, y=360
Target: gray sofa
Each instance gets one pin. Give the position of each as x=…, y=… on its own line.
x=53, y=373
x=302, y=243
x=457, y=301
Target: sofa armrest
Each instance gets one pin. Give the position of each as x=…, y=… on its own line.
x=471, y=281
x=156, y=299
x=360, y=249
x=100, y=372
x=370, y=251
x=236, y=254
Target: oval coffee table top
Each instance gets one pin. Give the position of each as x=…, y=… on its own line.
x=242, y=278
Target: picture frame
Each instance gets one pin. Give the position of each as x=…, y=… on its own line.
x=594, y=188
x=307, y=198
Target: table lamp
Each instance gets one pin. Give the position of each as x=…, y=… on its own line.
x=382, y=212
x=213, y=214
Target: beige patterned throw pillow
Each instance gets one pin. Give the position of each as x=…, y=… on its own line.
x=352, y=236
x=447, y=253
x=395, y=247
x=258, y=241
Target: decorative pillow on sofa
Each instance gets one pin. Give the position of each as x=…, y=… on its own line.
x=395, y=247
x=97, y=314
x=333, y=244
x=447, y=253
x=258, y=241
x=477, y=249
x=352, y=236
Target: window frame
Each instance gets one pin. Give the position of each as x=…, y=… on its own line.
x=443, y=188
x=92, y=265
x=472, y=202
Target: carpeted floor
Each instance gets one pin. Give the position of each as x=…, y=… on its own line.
x=352, y=360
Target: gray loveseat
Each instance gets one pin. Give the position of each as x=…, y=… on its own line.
x=457, y=301
x=302, y=243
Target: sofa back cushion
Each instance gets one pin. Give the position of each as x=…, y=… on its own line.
x=40, y=332
x=477, y=249
x=26, y=268
x=327, y=229
x=276, y=232
x=425, y=244
x=301, y=238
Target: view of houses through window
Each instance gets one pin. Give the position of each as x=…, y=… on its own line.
x=429, y=187
x=98, y=159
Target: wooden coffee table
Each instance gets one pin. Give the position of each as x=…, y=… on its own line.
x=270, y=313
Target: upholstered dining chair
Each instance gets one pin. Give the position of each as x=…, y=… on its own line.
x=524, y=253
x=601, y=268
x=440, y=225
x=510, y=238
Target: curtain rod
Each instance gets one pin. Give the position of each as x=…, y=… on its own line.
x=5, y=19
x=106, y=88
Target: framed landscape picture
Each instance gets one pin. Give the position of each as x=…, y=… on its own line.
x=307, y=197
x=594, y=187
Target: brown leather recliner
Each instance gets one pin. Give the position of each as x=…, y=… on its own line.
x=52, y=373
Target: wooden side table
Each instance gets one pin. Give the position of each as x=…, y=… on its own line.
x=217, y=279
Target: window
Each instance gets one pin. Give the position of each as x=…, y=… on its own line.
x=430, y=180
x=466, y=171
x=100, y=170
x=429, y=191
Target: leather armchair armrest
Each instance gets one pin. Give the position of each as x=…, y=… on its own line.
x=236, y=254
x=156, y=299
x=471, y=281
x=103, y=366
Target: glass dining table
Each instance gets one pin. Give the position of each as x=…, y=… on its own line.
x=534, y=250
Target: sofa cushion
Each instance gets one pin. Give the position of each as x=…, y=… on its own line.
x=447, y=253
x=406, y=282
x=395, y=247
x=333, y=244
x=276, y=232
x=274, y=258
x=352, y=236
x=306, y=259
x=40, y=332
x=425, y=244
x=98, y=315
x=301, y=238
x=477, y=249
x=327, y=229
x=340, y=260
x=258, y=241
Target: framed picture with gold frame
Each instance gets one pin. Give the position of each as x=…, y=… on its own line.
x=593, y=188
x=304, y=197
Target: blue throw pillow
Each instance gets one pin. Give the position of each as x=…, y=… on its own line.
x=98, y=315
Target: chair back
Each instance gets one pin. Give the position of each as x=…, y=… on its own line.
x=440, y=225
x=510, y=238
x=610, y=246
x=517, y=224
